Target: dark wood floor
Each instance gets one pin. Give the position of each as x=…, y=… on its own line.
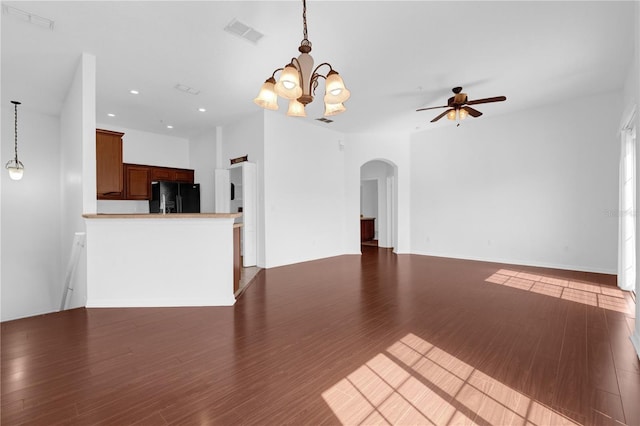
x=382, y=338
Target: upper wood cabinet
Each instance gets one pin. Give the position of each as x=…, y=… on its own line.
x=137, y=179
x=171, y=174
x=184, y=175
x=109, y=179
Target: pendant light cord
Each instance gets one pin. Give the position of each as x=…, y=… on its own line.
x=15, y=142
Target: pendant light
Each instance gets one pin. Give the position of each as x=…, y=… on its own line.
x=15, y=167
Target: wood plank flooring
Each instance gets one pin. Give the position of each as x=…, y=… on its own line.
x=372, y=339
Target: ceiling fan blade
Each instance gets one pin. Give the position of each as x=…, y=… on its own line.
x=472, y=112
x=487, y=100
x=441, y=115
x=424, y=109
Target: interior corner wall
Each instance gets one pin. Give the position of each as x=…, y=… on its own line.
x=246, y=137
x=632, y=99
x=78, y=174
x=536, y=187
x=202, y=159
x=31, y=261
x=304, y=191
x=360, y=148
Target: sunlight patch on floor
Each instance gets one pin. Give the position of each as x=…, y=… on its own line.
x=588, y=294
x=416, y=383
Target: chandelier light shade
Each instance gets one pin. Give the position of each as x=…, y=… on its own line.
x=14, y=166
x=296, y=109
x=298, y=81
x=267, y=97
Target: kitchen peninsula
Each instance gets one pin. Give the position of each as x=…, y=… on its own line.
x=159, y=260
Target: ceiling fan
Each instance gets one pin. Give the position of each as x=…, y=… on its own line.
x=459, y=107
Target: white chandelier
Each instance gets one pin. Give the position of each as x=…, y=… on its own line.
x=298, y=82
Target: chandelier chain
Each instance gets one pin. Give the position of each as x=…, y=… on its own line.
x=304, y=20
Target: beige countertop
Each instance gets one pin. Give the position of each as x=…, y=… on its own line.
x=163, y=216
x=367, y=218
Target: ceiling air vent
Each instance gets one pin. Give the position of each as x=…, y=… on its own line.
x=240, y=29
x=186, y=89
x=28, y=17
x=324, y=120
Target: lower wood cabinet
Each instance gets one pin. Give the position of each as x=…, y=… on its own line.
x=367, y=228
x=237, y=259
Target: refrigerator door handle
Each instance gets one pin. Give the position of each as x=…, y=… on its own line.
x=178, y=204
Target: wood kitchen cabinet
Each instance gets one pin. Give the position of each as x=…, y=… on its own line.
x=367, y=228
x=172, y=174
x=138, y=178
x=137, y=182
x=109, y=170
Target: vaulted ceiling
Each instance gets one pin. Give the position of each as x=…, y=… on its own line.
x=395, y=56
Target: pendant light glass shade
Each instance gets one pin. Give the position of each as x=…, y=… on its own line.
x=336, y=92
x=267, y=97
x=15, y=166
x=16, y=170
x=296, y=109
x=288, y=86
x=463, y=113
x=333, y=109
x=451, y=115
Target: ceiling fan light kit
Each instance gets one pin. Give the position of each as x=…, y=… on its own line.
x=459, y=108
x=298, y=81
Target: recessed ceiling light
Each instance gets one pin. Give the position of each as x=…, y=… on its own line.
x=169, y=126
x=111, y=115
x=134, y=92
x=202, y=110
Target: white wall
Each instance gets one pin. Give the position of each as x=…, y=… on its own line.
x=369, y=198
x=304, y=191
x=632, y=100
x=153, y=149
x=31, y=215
x=202, y=159
x=534, y=187
x=77, y=165
x=359, y=149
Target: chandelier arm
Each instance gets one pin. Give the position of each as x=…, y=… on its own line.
x=273, y=75
x=315, y=71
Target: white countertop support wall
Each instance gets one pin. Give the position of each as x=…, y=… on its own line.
x=159, y=260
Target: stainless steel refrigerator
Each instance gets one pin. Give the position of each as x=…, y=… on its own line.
x=174, y=197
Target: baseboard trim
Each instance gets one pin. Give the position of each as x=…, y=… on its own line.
x=523, y=263
x=158, y=303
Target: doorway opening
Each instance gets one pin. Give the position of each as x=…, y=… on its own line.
x=378, y=204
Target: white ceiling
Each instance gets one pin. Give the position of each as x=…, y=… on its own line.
x=395, y=56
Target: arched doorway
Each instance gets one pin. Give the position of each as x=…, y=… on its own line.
x=378, y=203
